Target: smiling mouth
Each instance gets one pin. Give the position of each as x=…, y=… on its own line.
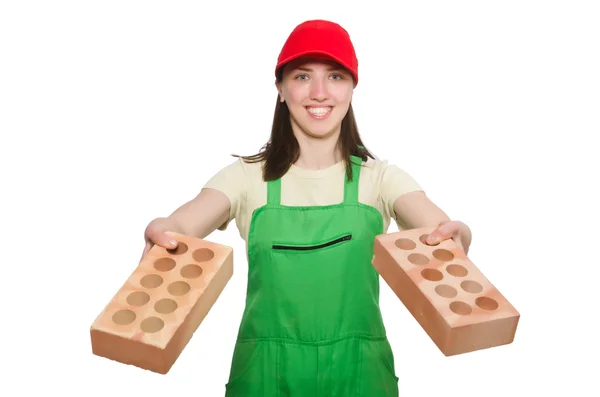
x=319, y=112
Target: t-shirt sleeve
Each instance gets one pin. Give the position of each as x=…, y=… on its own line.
x=233, y=182
x=394, y=183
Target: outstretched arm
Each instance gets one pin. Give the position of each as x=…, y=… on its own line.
x=415, y=209
x=203, y=214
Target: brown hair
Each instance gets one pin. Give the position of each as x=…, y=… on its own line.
x=282, y=149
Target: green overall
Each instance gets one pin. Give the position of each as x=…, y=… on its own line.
x=312, y=326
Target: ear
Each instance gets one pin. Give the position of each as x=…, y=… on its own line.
x=279, y=90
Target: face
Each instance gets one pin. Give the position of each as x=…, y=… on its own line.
x=318, y=94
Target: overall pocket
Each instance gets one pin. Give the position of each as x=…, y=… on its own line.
x=300, y=247
x=378, y=377
x=387, y=357
x=247, y=370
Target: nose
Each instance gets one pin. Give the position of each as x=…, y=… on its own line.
x=318, y=90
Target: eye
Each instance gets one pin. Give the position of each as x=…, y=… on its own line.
x=338, y=76
x=302, y=77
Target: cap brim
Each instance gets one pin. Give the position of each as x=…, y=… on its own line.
x=323, y=54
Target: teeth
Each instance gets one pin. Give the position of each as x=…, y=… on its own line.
x=319, y=111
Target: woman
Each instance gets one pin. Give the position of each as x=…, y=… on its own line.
x=309, y=206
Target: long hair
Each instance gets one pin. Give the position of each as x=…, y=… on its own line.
x=282, y=149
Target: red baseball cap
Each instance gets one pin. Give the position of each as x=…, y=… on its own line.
x=321, y=38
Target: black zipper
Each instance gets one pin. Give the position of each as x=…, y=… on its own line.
x=312, y=247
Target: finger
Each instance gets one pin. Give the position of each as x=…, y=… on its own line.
x=459, y=243
x=444, y=231
x=146, y=250
x=162, y=239
x=168, y=242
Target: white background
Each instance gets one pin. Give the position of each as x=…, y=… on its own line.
x=115, y=112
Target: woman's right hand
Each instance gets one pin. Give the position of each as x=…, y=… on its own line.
x=155, y=233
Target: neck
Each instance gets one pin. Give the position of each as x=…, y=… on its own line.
x=318, y=153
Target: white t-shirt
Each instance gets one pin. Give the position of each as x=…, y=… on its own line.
x=380, y=184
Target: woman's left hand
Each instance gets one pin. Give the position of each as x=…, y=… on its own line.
x=449, y=230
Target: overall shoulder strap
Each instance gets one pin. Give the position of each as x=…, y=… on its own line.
x=274, y=192
x=351, y=187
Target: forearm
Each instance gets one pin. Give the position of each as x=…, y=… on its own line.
x=202, y=215
x=416, y=210
x=179, y=219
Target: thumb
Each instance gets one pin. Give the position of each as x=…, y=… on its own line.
x=444, y=230
x=164, y=240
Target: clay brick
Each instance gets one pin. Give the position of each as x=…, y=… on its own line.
x=153, y=316
x=455, y=304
